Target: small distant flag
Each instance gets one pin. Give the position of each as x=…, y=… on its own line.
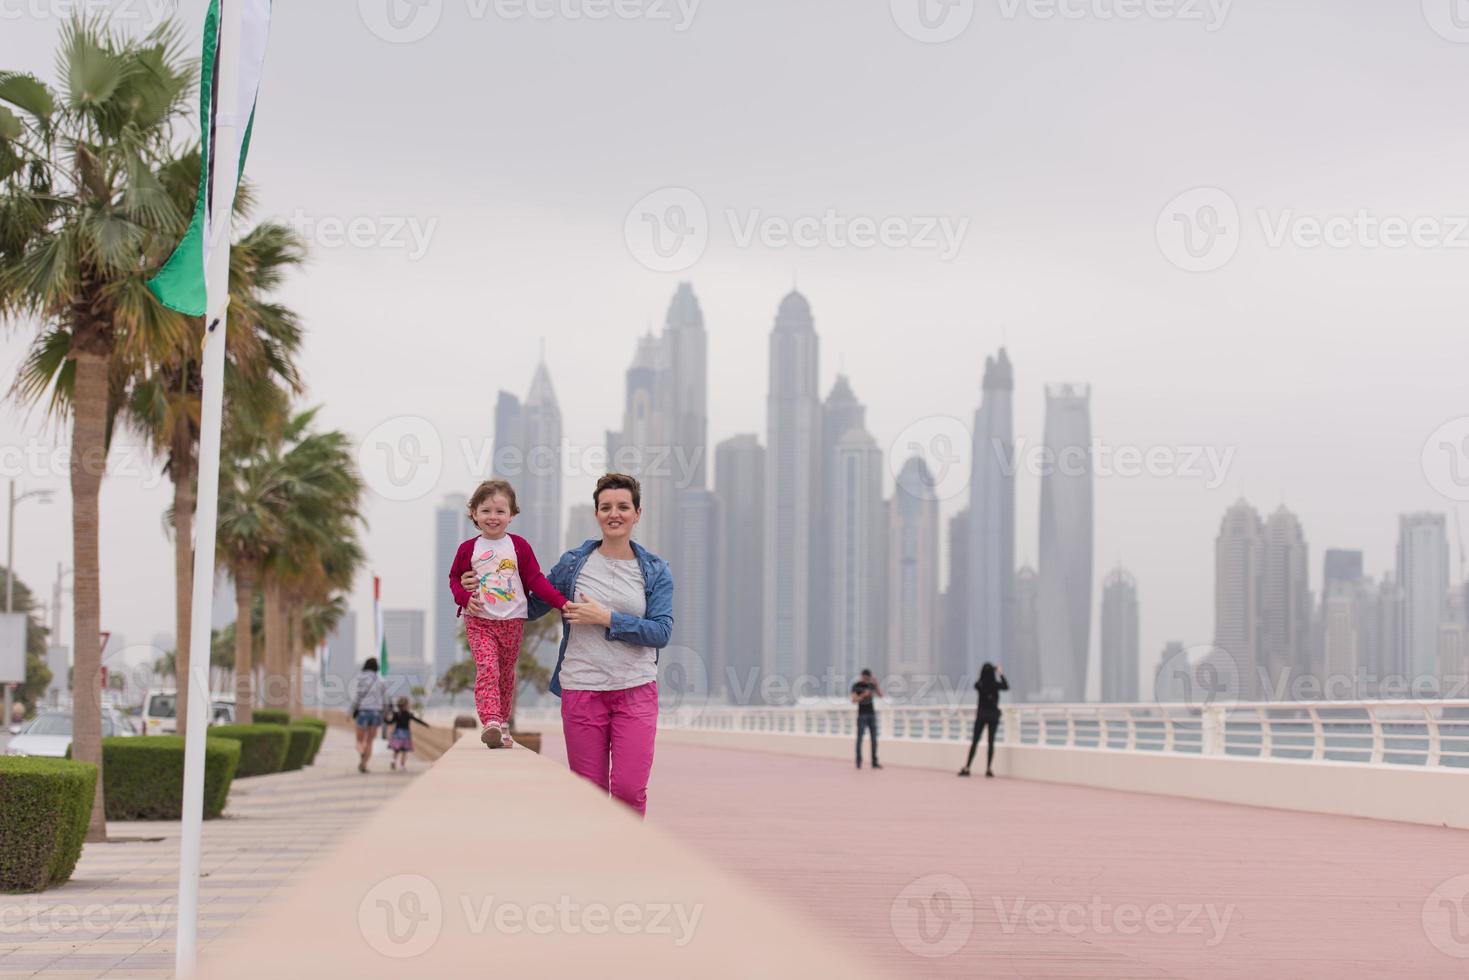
x=180, y=284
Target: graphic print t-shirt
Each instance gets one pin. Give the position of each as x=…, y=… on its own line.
x=498, y=579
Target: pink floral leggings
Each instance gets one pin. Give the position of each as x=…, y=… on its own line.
x=495, y=644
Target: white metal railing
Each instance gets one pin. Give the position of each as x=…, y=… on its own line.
x=1414, y=733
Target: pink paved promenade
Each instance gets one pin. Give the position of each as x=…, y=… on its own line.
x=926, y=874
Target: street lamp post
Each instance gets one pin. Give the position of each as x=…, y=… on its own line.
x=43, y=496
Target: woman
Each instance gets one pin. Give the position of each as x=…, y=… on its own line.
x=619, y=617
x=369, y=704
x=991, y=682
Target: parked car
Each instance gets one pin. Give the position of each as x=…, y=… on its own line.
x=160, y=711
x=49, y=733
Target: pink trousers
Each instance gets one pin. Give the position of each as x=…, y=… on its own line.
x=495, y=644
x=609, y=739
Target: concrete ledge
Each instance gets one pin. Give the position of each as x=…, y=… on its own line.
x=505, y=864
x=1439, y=797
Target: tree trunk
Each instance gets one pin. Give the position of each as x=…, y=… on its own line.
x=298, y=654
x=184, y=491
x=88, y=463
x=244, y=675
x=276, y=676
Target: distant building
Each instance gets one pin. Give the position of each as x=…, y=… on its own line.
x=452, y=527
x=1384, y=653
x=1285, y=607
x=1239, y=556
x=1345, y=620
x=841, y=413
x=581, y=527
x=792, y=488
x=1119, y=628
x=403, y=632
x=739, y=474
x=858, y=559
x=695, y=565
x=1065, y=596
x=342, y=663
x=954, y=634
x=1423, y=574
x=1027, y=659
x=991, y=544
x=1172, y=677
x=912, y=593
x=528, y=454
x=1453, y=646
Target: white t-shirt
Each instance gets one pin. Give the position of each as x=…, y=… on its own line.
x=593, y=662
x=499, y=588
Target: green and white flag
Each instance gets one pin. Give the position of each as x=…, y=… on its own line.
x=181, y=284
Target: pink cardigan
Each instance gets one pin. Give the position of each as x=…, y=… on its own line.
x=530, y=573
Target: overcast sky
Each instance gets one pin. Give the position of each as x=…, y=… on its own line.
x=492, y=171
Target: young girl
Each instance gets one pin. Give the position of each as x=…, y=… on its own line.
x=400, y=743
x=494, y=610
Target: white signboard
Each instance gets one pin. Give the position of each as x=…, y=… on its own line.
x=12, y=648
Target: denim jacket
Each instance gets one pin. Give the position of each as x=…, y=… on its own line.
x=653, y=630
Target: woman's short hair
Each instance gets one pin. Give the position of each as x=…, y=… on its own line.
x=619, y=481
x=371, y=664
x=492, y=488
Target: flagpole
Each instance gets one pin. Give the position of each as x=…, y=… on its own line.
x=227, y=126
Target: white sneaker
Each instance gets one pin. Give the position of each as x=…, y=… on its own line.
x=491, y=736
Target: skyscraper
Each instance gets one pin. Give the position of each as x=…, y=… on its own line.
x=1285, y=607
x=1024, y=668
x=451, y=528
x=1344, y=642
x=858, y=559
x=1239, y=557
x=635, y=448
x=664, y=436
x=528, y=454
x=992, y=521
x=739, y=474
x=841, y=413
x=792, y=484
x=1065, y=597
x=1385, y=652
x=696, y=560
x=1423, y=575
x=912, y=594
x=341, y=661
x=954, y=636
x=403, y=632
x=1119, y=628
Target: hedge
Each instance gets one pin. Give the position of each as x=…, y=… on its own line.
x=262, y=747
x=318, y=735
x=308, y=720
x=271, y=716
x=302, y=737
x=143, y=778
x=45, y=805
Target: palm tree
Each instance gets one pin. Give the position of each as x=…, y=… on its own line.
x=289, y=513
x=85, y=219
x=261, y=343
